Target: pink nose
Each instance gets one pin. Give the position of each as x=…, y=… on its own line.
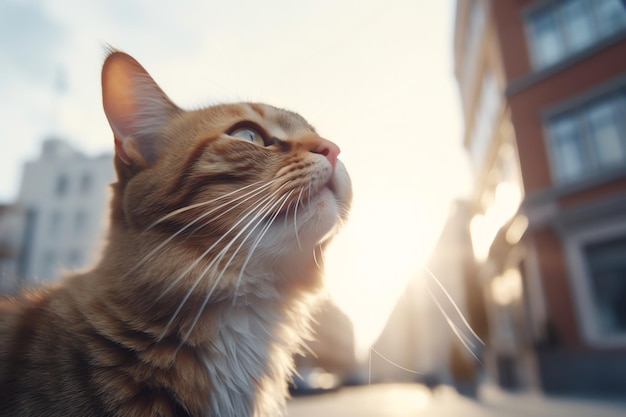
x=328, y=149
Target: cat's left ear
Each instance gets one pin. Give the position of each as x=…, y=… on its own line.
x=136, y=107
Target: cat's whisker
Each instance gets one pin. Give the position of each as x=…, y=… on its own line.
x=286, y=214
x=309, y=196
x=259, y=210
x=260, y=219
x=253, y=212
x=254, y=246
x=295, y=218
x=204, y=203
x=390, y=362
x=454, y=328
x=224, y=212
x=221, y=275
x=322, y=254
x=215, y=260
x=249, y=195
x=315, y=258
x=199, y=259
x=456, y=307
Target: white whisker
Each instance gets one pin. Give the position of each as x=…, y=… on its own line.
x=170, y=238
x=223, y=213
x=295, y=218
x=389, y=361
x=454, y=328
x=258, y=204
x=454, y=305
x=261, y=214
x=256, y=243
x=322, y=255
x=260, y=218
x=213, y=262
x=204, y=203
x=287, y=211
x=315, y=258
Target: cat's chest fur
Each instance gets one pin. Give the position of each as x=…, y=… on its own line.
x=248, y=358
x=240, y=369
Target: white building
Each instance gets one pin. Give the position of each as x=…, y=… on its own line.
x=11, y=231
x=64, y=195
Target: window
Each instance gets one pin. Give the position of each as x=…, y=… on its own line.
x=577, y=28
x=61, y=185
x=86, y=183
x=567, y=147
x=611, y=14
x=597, y=269
x=588, y=140
x=606, y=266
x=570, y=26
x=546, y=39
x=75, y=259
x=56, y=222
x=605, y=133
x=80, y=221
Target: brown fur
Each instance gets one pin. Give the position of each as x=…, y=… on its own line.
x=145, y=333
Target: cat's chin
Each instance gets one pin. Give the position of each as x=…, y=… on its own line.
x=320, y=216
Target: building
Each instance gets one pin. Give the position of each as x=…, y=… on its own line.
x=543, y=91
x=11, y=230
x=64, y=200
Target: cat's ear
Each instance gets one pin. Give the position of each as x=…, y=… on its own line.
x=136, y=107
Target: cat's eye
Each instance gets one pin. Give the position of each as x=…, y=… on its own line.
x=248, y=134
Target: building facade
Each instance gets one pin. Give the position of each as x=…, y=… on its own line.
x=543, y=90
x=64, y=200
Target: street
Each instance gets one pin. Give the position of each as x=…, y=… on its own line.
x=404, y=400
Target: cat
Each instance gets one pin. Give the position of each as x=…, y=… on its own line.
x=218, y=220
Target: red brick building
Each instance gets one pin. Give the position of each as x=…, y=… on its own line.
x=543, y=89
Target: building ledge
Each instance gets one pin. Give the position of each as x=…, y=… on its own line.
x=558, y=191
x=542, y=207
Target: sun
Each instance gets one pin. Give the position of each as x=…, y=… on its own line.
x=368, y=265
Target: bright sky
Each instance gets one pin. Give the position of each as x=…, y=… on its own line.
x=373, y=76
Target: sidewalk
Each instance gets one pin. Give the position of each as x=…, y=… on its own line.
x=537, y=404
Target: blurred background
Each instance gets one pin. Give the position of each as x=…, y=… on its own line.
x=483, y=271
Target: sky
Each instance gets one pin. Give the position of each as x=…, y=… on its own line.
x=375, y=77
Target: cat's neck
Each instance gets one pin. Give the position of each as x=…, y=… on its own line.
x=244, y=343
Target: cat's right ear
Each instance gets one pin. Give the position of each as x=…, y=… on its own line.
x=136, y=108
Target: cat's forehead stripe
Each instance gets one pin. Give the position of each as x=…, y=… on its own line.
x=258, y=109
x=280, y=122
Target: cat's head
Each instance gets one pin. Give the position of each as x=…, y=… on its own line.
x=235, y=186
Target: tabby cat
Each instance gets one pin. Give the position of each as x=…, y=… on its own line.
x=219, y=217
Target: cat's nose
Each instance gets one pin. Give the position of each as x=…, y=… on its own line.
x=327, y=148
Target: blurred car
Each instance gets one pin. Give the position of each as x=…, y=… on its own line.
x=314, y=381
